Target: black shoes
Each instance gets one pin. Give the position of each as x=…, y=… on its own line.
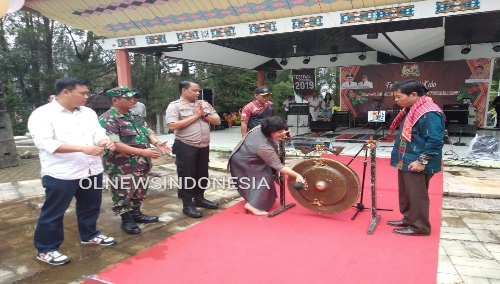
x=407, y=231
x=141, y=218
x=400, y=223
x=202, y=202
x=191, y=211
x=129, y=225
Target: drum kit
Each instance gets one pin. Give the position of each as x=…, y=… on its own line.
x=331, y=186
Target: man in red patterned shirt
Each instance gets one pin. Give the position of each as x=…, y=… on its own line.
x=256, y=111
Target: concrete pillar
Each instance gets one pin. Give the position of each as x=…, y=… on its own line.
x=123, y=68
x=261, y=77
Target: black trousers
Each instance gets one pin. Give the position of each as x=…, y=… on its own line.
x=414, y=199
x=192, y=165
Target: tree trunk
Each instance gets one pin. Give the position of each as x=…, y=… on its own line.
x=48, y=25
x=3, y=42
x=185, y=70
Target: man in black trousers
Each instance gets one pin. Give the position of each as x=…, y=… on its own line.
x=190, y=120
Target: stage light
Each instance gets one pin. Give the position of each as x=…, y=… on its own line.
x=496, y=48
x=466, y=49
x=284, y=61
x=362, y=56
x=333, y=58
x=306, y=60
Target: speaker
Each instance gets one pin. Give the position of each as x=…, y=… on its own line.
x=8, y=154
x=207, y=95
x=467, y=130
x=298, y=109
x=294, y=120
x=456, y=116
x=341, y=119
x=321, y=126
x=456, y=107
x=5, y=127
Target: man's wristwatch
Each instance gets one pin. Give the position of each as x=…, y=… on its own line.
x=156, y=143
x=423, y=161
x=206, y=114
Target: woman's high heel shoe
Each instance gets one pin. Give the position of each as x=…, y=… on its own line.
x=254, y=211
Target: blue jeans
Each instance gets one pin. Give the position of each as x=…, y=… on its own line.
x=49, y=232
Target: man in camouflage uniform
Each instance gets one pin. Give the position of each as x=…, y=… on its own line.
x=129, y=164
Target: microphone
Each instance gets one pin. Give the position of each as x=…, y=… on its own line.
x=298, y=186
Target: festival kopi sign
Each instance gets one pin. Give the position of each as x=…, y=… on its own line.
x=365, y=88
x=304, y=82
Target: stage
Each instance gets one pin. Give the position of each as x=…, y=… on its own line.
x=297, y=246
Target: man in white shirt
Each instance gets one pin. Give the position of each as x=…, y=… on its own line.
x=286, y=104
x=365, y=84
x=139, y=107
x=70, y=141
x=349, y=83
x=314, y=104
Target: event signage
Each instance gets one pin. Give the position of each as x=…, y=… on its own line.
x=304, y=82
x=368, y=88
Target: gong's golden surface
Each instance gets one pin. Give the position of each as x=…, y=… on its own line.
x=333, y=187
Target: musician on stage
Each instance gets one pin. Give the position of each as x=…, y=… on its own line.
x=254, y=161
x=417, y=154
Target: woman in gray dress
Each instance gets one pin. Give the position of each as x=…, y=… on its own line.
x=252, y=162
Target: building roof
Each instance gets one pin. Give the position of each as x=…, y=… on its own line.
x=129, y=18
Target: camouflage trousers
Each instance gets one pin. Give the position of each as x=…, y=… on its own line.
x=128, y=191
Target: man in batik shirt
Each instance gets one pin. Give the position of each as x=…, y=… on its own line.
x=129, y=164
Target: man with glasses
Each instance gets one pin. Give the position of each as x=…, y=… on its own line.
x=130, y=163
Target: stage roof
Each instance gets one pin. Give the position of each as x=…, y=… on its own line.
x=258, y=34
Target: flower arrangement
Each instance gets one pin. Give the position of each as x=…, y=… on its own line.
x=469, y=91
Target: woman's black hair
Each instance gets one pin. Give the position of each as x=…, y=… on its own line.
x=331, y=98
x=273, y=124
x=409, y=86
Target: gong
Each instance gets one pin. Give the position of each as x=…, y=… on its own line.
x=331, y=187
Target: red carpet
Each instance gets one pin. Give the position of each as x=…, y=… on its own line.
x=298, y=246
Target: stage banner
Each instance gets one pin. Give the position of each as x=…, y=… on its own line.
x=304, y=83
x=367, y=88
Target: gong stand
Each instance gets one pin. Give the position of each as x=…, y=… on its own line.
x=375, y=217
x=283, y=206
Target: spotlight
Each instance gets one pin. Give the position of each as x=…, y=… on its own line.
x=284, y=61
x=333, y=58
x=496, y=48
x=466, y=49
x=362, y=56
x=306, y=60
